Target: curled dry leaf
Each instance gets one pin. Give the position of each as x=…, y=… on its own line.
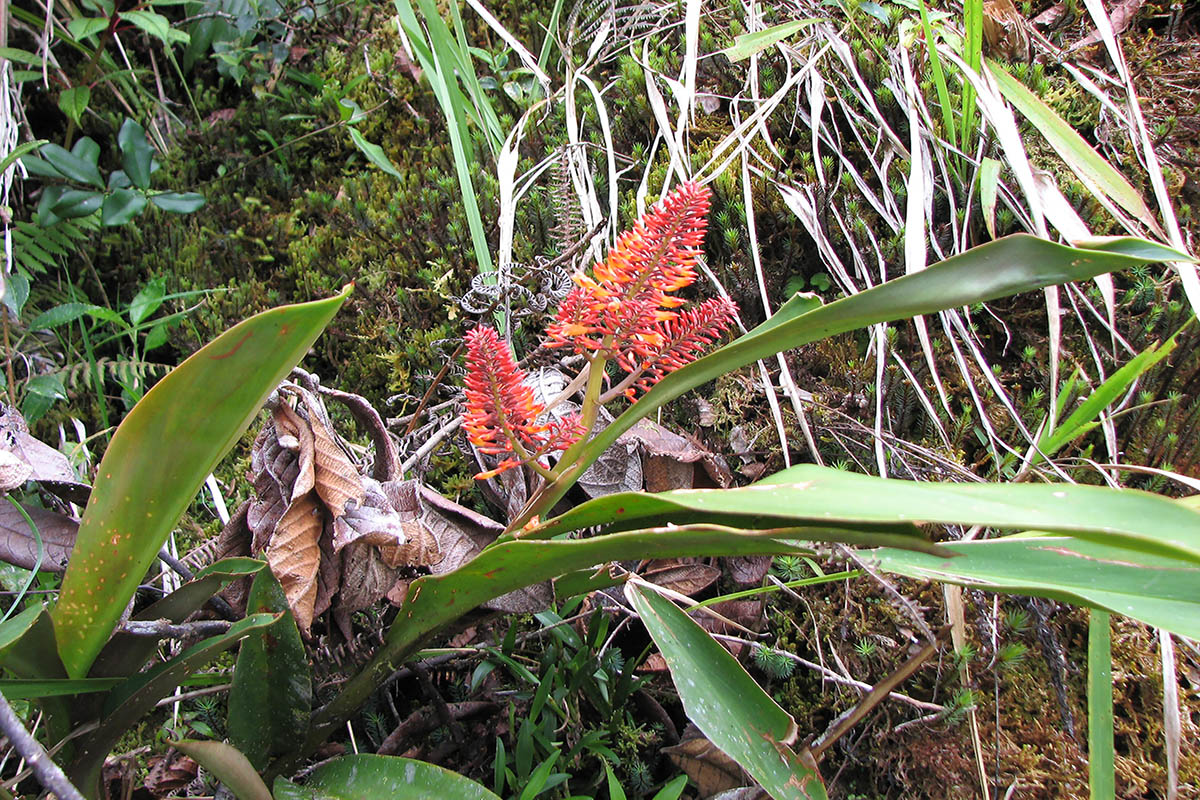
x=18, y=546
x=688, y=577
x=171, y=774
x=670, y=459
x=710, y=769
x=294, y=555
x=748, y=570
x=333, y=537
x=22, y=458
x=338, y=481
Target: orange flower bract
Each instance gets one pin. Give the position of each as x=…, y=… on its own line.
x=502, y=416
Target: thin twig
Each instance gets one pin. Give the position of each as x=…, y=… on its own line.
x=179, y=698
x=48, y=773
x=165, y=629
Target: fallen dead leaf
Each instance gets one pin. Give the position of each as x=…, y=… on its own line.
x=708, y=767
x=17, y=545
x=294, y=555
x=677, y=575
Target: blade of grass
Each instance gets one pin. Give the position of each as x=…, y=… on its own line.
x=1101, y=767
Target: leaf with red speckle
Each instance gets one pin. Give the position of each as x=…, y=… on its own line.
x=159, y=457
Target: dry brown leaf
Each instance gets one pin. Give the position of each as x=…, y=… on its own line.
x=747, y=613
x=670, y=459
x=461, y=534
x=170, y=774
x=14, y=471
x=27, y=458
x=294, y=434
x=338, y=481
x=709, y=768
x=294, y=555
x=17, y=545
x=366, y=577
x=329, y=578
x=686, y=578
x=653, y=663
x=748, y=570
x=618, y=469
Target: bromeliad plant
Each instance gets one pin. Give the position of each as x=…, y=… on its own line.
x=79, y=646
x=624, y=313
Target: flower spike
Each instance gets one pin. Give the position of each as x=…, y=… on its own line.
x=502, y=416
x=629, y=292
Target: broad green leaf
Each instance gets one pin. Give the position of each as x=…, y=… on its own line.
x=75, y=203
x=74, y=101
x=16, y=292
x=178, y=202
x=83, y=27
x=374, y=153
x=156, y=25
x=136, y=696
x=370, y=777
x=1007, y=266
x=156, y=337
x=725, y=703
x=813, y=495
x=230, y=766
x=1084, y=161
x=136, y=154
x=159, y=457
x=747, y=44
x=121, y=206
x=86, y=148
x=27, y=645
x=148, y=300
x=1157, y=590
x=271, y=697
x=72, y=166
x=1101, y=766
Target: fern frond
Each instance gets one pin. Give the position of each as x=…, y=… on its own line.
x=37, y=248
x=119, y=370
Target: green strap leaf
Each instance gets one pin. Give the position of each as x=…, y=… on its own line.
x=159, y=457
x=136, y=696
x=374, y=153
x=724, y=701
x=811, y=495
x=1084, y=161
x=1157, y=590
x=1008, y=266
x=747, y=44
x=272, y=695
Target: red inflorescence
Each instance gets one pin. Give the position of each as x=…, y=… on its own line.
x=502, y=416
x=623, y=311
x=683, y=339
x=625, y=307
